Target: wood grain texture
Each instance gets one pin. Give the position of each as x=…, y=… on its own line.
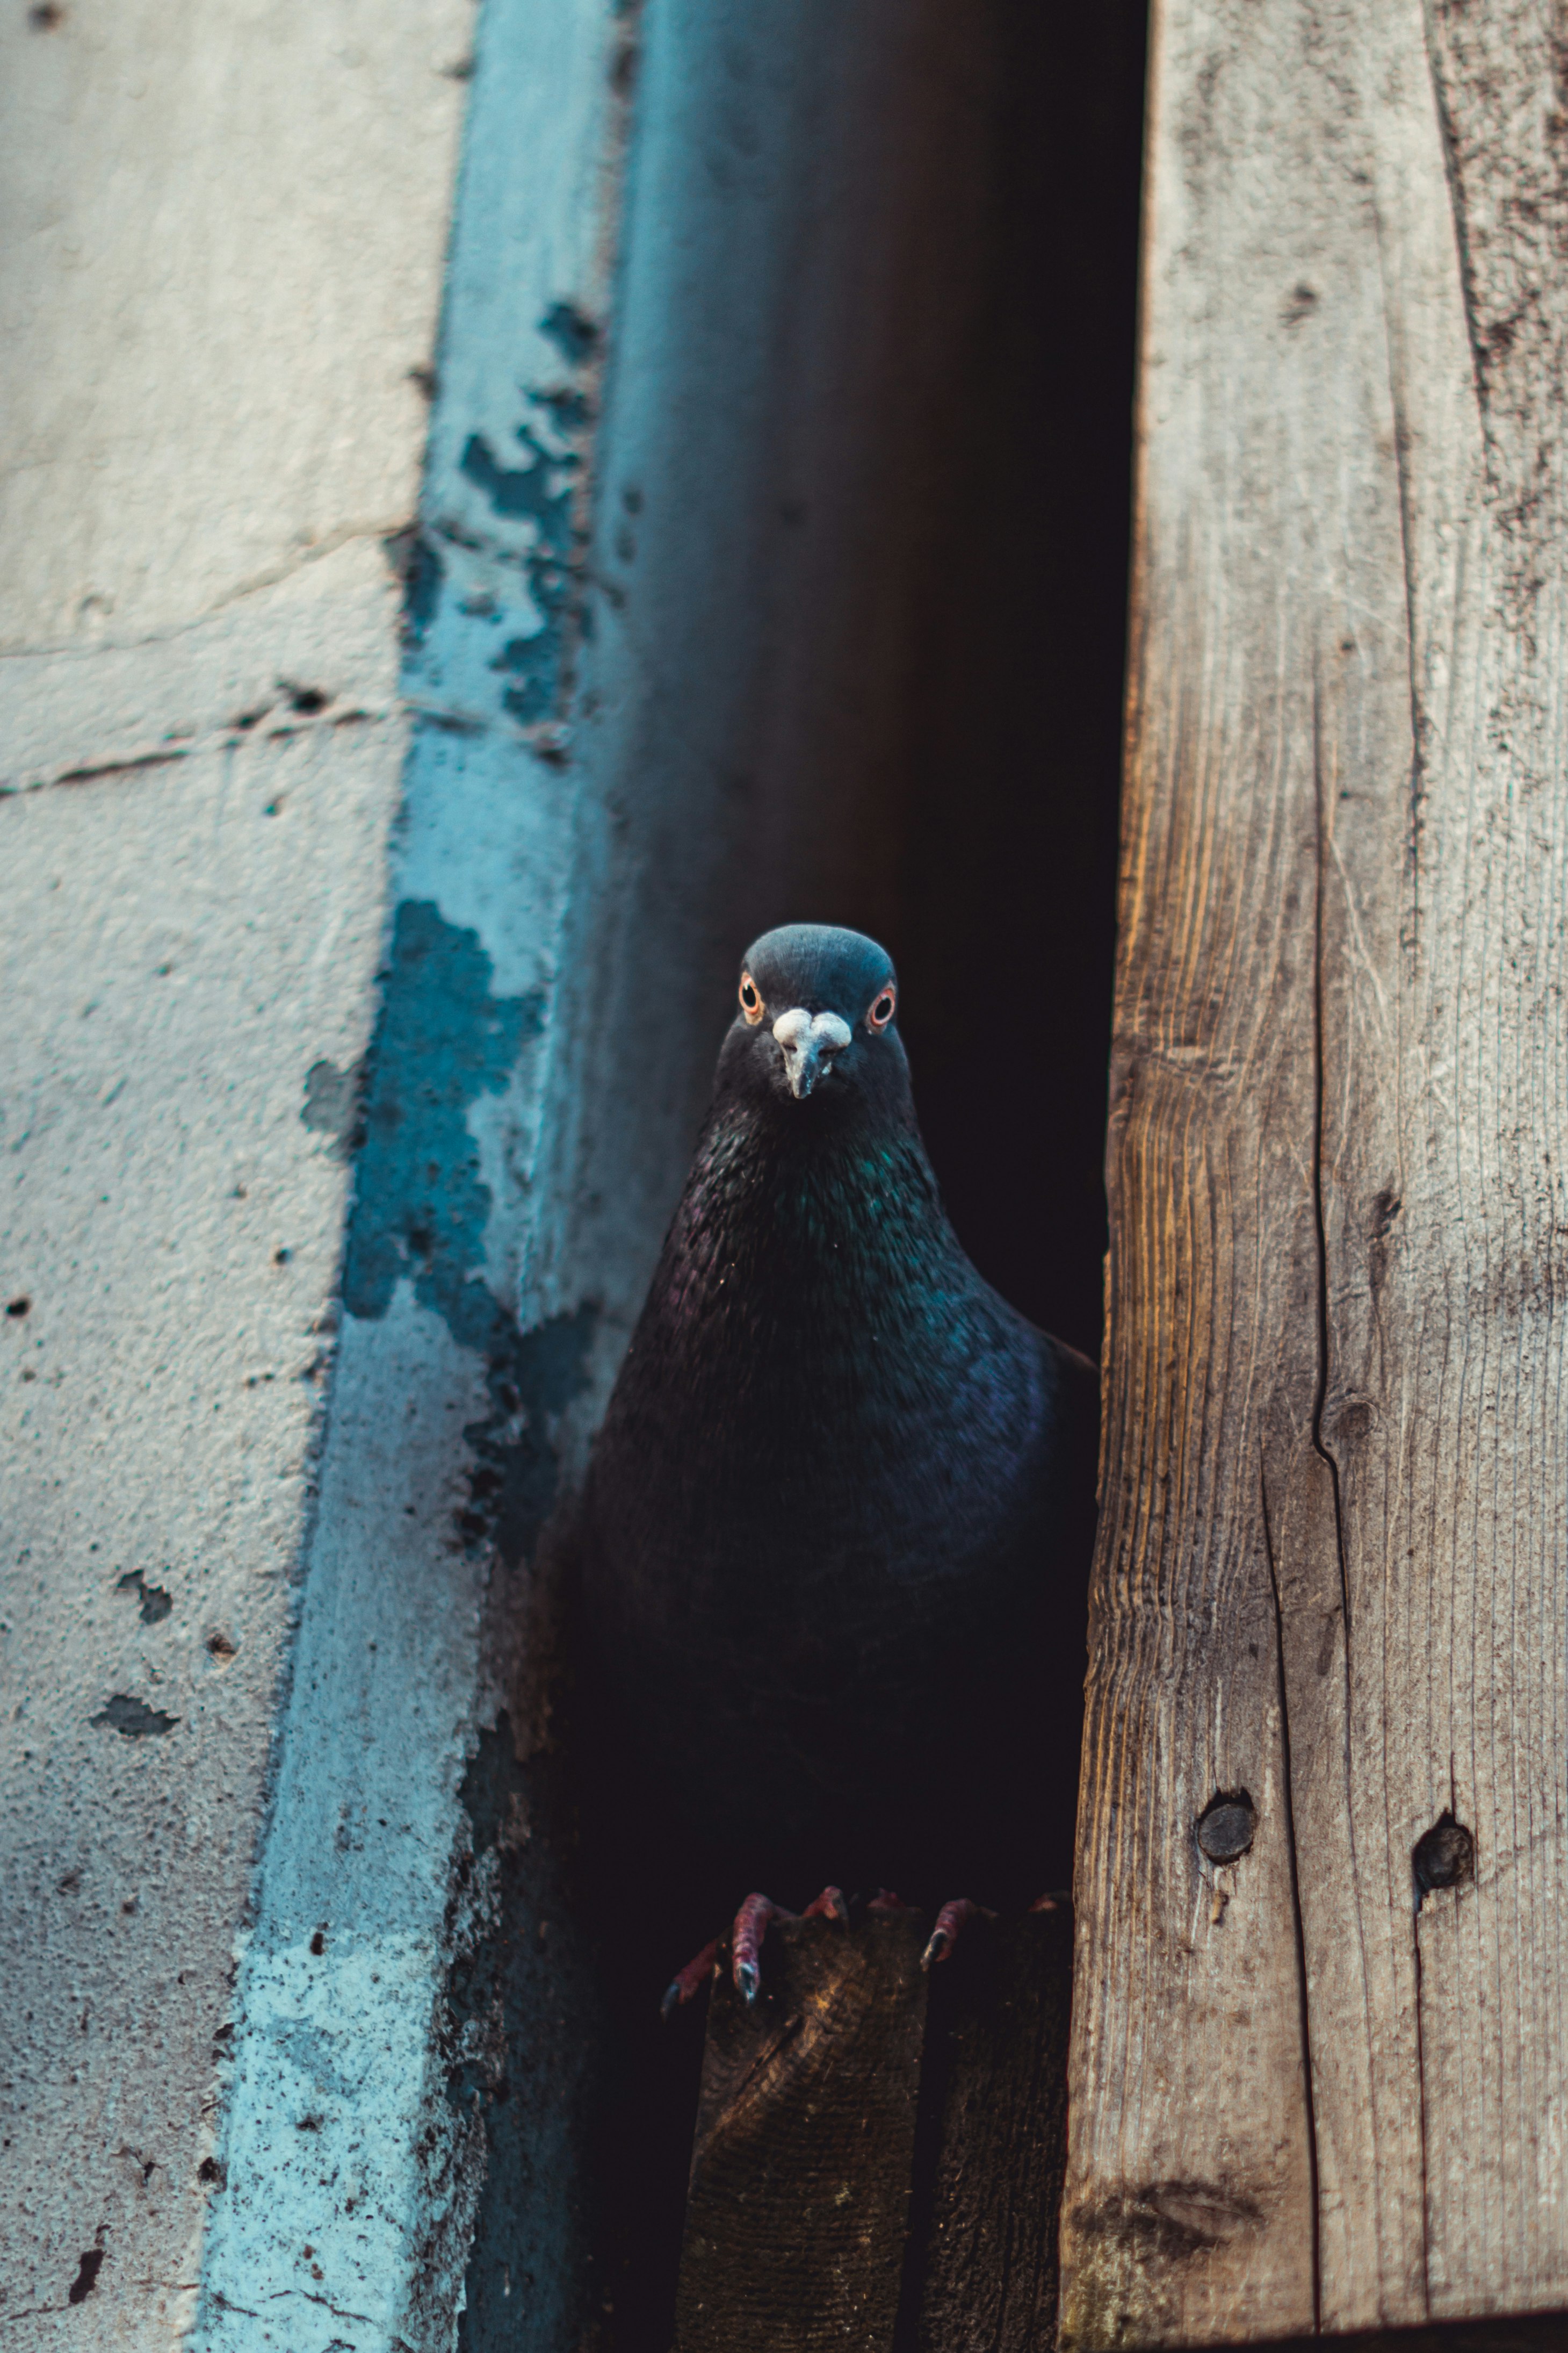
x=1538, y=2332
x=801, y=2174
x=878, y=2154
x=1306, y=2091
x=995, y=2092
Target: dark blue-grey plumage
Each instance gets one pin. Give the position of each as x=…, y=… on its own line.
x=836, y=1526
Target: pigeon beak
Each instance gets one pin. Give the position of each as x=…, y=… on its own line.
x=809, y=1043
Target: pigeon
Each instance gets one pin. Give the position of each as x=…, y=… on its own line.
x=836, y=1529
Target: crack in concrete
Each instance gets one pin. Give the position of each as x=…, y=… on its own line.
x=345, y=536
x=338, y=2311
x=227, y=737
x=227, y=2304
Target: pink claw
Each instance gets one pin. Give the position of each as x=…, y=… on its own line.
x=951, y=1921
x=688, y=1983
x=751, y=1927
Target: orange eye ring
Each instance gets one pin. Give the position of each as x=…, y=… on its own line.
x=884, y=1005
x=752, y=1004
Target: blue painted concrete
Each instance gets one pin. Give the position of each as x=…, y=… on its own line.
x=364, y=2058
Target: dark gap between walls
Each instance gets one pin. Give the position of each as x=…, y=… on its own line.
x=862, y=518
x=1004, y=921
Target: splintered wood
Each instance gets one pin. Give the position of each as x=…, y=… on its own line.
x=1321, y=2080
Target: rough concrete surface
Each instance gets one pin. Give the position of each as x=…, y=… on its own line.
x=355, y=2143
x=224, y=233
x=174, y=967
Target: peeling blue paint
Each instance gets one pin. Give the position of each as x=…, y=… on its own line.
x=421, y=1208
x=440, y=1459
x=504, y=544
x=568, y=411
x=420, y=1205
x=524, y=489
x=422, y=593
x=573, y=332
x=543, y=494
x=518, y=2059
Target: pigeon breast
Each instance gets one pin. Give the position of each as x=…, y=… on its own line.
x=836, y=1531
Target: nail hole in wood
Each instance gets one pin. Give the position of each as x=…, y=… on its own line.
x=1225, y=1826
x=1444, y=1856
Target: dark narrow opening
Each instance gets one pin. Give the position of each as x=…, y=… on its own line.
x=988, y=854
x=855, y=654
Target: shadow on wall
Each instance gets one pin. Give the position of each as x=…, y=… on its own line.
x=860, y=564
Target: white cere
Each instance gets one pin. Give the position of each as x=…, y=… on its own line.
x=809, y=1041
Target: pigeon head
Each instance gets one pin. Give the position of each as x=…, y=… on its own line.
x=815, y=1020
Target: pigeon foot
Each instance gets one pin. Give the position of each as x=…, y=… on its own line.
x=951, y=1923
x=688, y=1983
x=746, y=1938
x=751, y=1927
x=954, y=1917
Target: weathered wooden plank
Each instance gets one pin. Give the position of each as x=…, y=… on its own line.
x=1534, y=2333
x=1306, y=2088
x=802, y=2170
x=984, y=2275
x=879, y=2156
x=1541, y=2332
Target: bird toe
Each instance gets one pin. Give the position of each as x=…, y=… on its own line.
x=951, y=1923
x=751, y=1927
x=688, y=1983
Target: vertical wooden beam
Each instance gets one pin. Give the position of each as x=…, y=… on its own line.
x=1319, y=2079
x=801, y=2174
x=879, y=2156
x=995, y=2096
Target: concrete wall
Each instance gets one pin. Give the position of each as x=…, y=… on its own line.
x=220, y=279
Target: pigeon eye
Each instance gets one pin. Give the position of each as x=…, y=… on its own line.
x=752, y=1004
x=882, y=1008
